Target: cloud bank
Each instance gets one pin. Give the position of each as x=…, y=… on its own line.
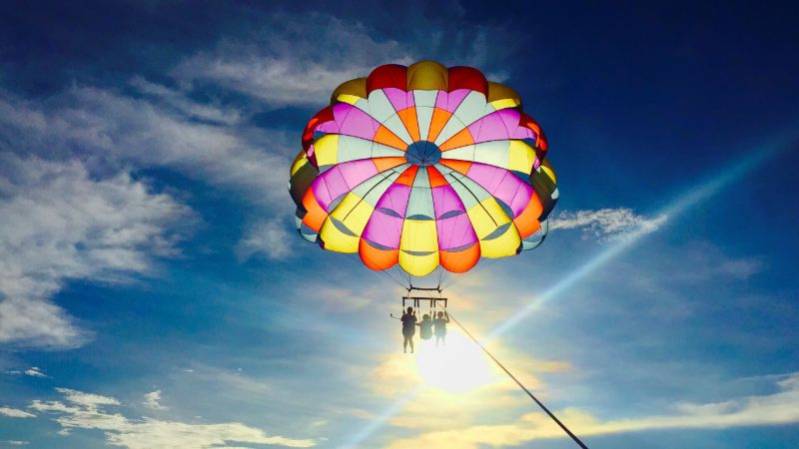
x=780, y=407
x=81, y=410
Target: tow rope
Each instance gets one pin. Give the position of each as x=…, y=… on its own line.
x=521, y=385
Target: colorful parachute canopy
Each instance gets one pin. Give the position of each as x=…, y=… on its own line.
x=423, y=166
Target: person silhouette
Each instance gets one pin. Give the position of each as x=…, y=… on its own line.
x=440, y=324
x=408, y=329
x=426, y=327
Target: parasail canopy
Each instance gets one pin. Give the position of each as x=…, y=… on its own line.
x=423, y=166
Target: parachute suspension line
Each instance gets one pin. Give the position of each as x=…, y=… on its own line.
x=452, y=175
x=433, y=309
x=484, y=264
x=393, y=279
x=448, y=280
x=367, y=193
x=521, y=385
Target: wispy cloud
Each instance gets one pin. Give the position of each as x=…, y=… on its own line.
x=708, y=262
x=88, y=411
x=607, y=223
x=60, y=223
x=179, y=102
x=742, y=268
x=282, y=63
x=15, y=413
x=233, y=380
x=35, y=371
x=147, y=131
x=270, y=238
x=284, y=67
x=86, y=400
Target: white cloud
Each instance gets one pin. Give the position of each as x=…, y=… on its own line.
x=16, y=442
x=269, y=238
x=607, y=223
x=161, y=127
x=88, y=400
x=234, y=381
x=87, y=411
x=285, y=64
x=15, y=413
x=60, y=223
x=152, y=400
x=780, y=407
x=741, y=268
x=177, y=100
x=277, y=81
x=35, y=371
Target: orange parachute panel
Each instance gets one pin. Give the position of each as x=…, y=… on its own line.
x=408, y=117
x=407, y=177
x=388, y=138
x=435, y=177
x=461, y=139
x=314, y=215
x=376, y=258
x=437, y=123
x=527, y=221
x=461, y=167
x=460, y=261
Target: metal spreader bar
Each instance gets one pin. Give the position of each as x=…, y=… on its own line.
x=416, y=300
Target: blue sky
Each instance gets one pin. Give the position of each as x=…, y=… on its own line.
x=153, y=293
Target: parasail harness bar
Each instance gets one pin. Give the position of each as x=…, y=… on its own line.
x=424, y=289
x=416, y=300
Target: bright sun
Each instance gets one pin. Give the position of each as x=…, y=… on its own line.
x=458, y=367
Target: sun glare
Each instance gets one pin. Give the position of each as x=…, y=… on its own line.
x=458, y=367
